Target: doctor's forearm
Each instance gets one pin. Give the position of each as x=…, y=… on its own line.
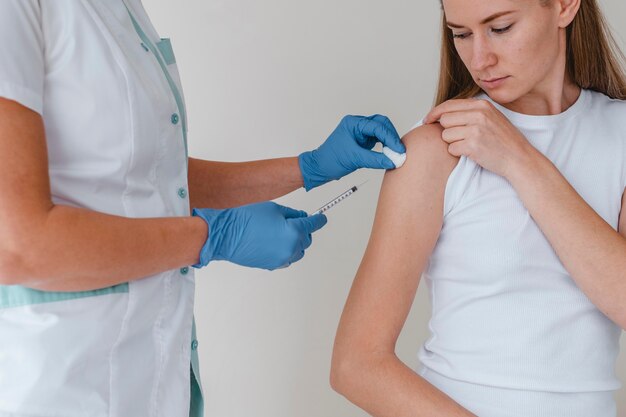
x=74, y=249
x=231, y=184
x=590, y=249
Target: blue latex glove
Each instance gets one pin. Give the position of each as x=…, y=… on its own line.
x=348, y=148
x=263, y=235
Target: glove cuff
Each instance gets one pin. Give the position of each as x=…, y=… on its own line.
x=310, y=174
x=209, y=251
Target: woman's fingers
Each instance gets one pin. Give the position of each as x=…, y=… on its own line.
x=454, y=134
x=446, y=107
x=460, y=105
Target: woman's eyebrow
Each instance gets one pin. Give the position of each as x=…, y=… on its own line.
x=484, y=21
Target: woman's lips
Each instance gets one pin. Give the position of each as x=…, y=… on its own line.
x=494, y=82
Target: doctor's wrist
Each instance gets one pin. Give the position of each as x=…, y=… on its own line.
x=312, y=175
x=200, y=233
x=214, y=221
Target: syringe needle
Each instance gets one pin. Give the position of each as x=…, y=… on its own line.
x=338, y=199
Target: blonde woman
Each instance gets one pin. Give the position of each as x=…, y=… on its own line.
x=513, y=220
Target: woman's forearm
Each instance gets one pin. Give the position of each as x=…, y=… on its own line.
x=385, y=387
x=231, y=184
x=589, y=248
x=71, y=249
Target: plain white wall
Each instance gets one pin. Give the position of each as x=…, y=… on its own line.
x=272, y=78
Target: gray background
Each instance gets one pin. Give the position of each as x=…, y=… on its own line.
x=272, y=78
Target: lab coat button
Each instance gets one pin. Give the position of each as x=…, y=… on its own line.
x=184, y=271
x=175, y=119
x=194, y=345
x=182, y=193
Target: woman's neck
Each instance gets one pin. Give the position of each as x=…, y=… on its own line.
x=546, y=102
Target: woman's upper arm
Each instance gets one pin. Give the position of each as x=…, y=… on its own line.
x=406, y=227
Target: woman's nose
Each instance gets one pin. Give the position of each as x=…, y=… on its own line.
x=483, y=55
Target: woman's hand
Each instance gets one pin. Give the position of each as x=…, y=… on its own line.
x=477, y=129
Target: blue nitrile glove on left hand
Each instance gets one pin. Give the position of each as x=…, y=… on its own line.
x=263, y=235
x=348, y=148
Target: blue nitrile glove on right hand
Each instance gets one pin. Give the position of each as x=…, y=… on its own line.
x=348, y=148
x=263, y=235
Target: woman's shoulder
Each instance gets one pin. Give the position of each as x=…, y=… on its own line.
x=607, y=113
x=428, y=166
x=603, y=102
x=428, y=154
x=425, y=141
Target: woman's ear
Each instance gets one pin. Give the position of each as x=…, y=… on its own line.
x=568, y=11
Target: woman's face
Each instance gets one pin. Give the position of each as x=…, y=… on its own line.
x=511, y=47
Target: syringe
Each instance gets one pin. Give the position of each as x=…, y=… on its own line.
x=337, y=200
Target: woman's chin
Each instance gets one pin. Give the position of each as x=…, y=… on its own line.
x=502, y=96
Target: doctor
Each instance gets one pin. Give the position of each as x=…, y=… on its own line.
x=96, y=294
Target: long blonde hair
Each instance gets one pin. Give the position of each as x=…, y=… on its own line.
x=594, y=60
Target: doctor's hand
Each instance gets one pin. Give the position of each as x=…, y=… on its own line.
x=263, y=235
x=348, y=148
x=477, y=129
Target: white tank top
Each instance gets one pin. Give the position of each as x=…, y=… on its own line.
x=505, y=311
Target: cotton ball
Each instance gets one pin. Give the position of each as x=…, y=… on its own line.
x=398, y=159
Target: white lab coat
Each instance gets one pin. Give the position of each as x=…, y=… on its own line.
x=111, y=99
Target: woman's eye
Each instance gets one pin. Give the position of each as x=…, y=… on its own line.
x=460, y=35
x=502, y=30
